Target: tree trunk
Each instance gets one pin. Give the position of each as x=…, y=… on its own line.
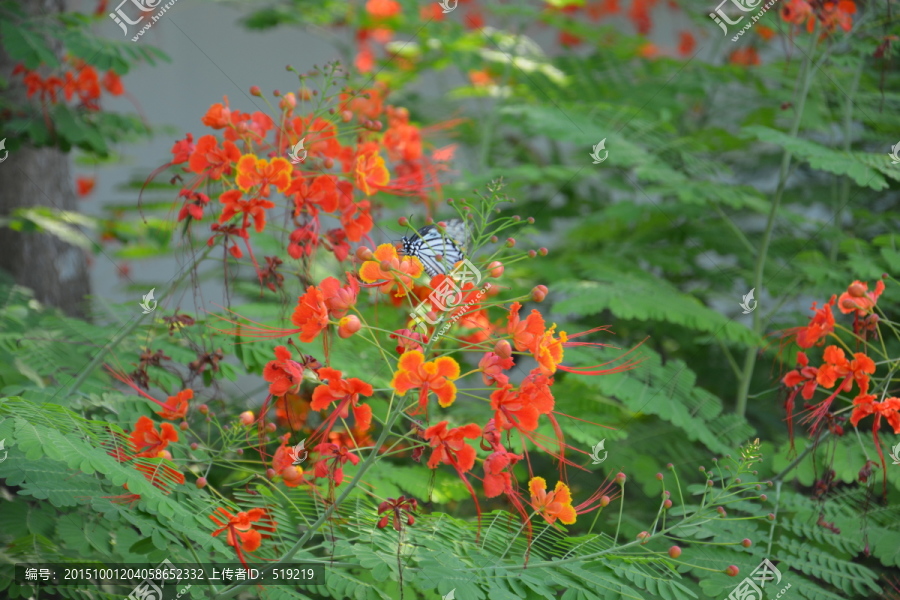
x=32, y=177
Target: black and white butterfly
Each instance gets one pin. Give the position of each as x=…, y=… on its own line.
x=438, y=252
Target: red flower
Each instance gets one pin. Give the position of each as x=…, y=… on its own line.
x=346, y=392
x=113, y=84
x=820, y=325
x=383, y=9
x=858, y=299
x=804, y=374
x=182, y=150
x=339, y=299
x=865, y=405
x=148, y=442
x=207, y=158
x=332, y=458
x=492, y=366
x=449, y=447
x=407, y=340
x=397, y=507
x=521, y=408
x=193, y=206
x=320, y=194
x=250, y=209
x=311, y=314
x=218, y=116
x=84, y=185
x=686, y=43
x=283, y=464
x=497, y=480
x=241, y=534
x=176, y=407
x=283, y=374
x=525, y=333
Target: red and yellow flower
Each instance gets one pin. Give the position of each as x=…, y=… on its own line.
x=552, y=505
x=437, y=376
x=450, y=447
x=391, y=269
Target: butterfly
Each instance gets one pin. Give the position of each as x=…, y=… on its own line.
x=438, y=252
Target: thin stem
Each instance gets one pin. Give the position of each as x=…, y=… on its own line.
x=800, y=101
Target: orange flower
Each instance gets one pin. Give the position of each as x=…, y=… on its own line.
x=859, y=299
x=176, y=406
x=434, y=376
x=554, y=505
x=480, y=78
x=208, y=158
x=747, y=57
x=804, y=374
x=241, y=534
x=113, y=84
x=548, y=350
x=492, y=366
x=253, y=208
x=148, y=442
x=766, y=33
x=383, y=9
x=521, y=408
x=371, y=172
x=403, y=142
x=252, y=171
x=283, y=374
x=321, y=194
x=449, y=447
x=218, y=116
x=837, y=366
x=346, y=392
x=311, y=314
x=283, y=464
x=401, y=271
x=526, y=334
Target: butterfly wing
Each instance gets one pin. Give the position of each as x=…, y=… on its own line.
x=438, y=252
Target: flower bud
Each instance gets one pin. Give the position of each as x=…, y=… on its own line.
x=516, y=218
x=271, y=473
x=670, y=467
x=857, y=290
x=292, y=473
x=276, y=93
x=746, y=543
x=532, y=253
x=201, y=482
x=543, y=251
x=255, y=91
x=239, y=451
x=770, y=516
x=667, y=504
x=247, y=418
x=271, y=427
x=183, y=426
x=328, y=163
x=165, y=454
x=288, y=102
x=194, y=445
x=403, y=221
x=510, y=242
x=604, y=501
x=763, y=497
x=495, y=269
x=721, y=511
x=732, y=571
x=305, y=95
x=620, y=478
x=503, y=349
x=494, y=239
x=203, y=409
x=530, y=220
x=659, y=476
x=346, y=116
x=644, y=536
x=363, y=253
x=385, y=265
x=348, y=326
x=674, y=552
x=539, y=292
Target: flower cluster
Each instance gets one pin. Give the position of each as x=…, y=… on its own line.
x=841, y=370
x=79, y=81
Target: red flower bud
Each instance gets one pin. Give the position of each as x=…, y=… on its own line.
x=271, y=427
x=539, y=292
x=620, y=478
x=382, y=523
x=503, y=349
x=857, y=290
x=674, y=552
x=746, y=543
x=385, y=265
x=363, y=253
x=247, y=417
x=532, y=253
x=510, y=242
x=255, y=91
x=495, y=269
x=732, y=571
x=403, y=221
x=201, y=482
x=183, y=426
x=194, y=445
x=203, y=409
x=604, y=501
x=543, y=251
x=667, y=504
x=346, y=116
